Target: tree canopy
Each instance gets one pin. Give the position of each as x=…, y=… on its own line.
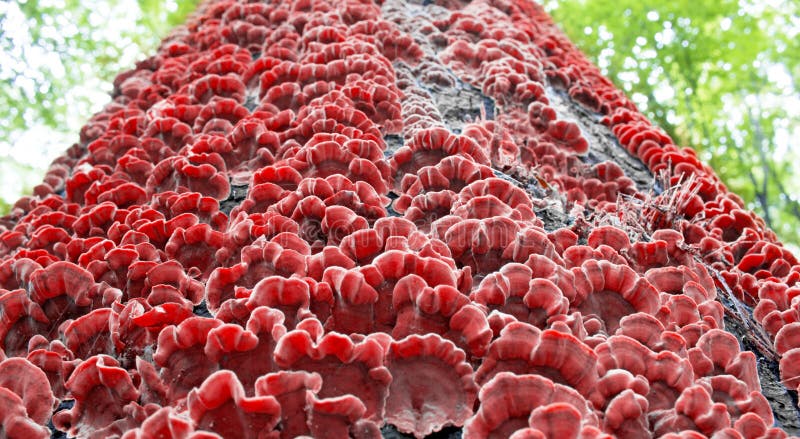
x=720, y=76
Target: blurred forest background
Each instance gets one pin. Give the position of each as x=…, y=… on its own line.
x=721, y=76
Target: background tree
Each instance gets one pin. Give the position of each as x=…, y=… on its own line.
x=720, y=76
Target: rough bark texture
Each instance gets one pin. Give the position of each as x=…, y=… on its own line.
x=389, y=219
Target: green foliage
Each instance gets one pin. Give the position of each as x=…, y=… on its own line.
x=720, y=76
x=59, y=58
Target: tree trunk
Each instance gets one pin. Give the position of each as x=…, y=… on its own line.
x=452, y=184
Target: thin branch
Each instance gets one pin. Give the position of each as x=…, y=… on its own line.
x=759, y=141
x=761, y=197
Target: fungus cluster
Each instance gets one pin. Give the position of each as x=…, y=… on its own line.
x=280, y=227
